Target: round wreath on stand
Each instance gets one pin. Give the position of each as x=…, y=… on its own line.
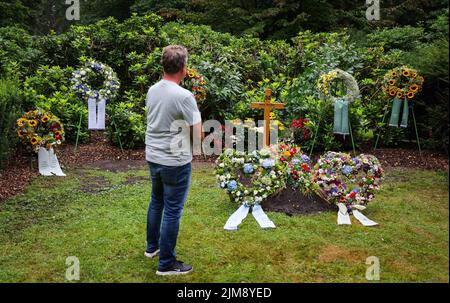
x=39, y=128
x=95, y=80
x=402, y=82
x=325, y=81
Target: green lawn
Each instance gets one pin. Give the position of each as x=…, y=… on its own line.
x=100, y=218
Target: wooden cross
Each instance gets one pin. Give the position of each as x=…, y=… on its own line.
x=267, y=106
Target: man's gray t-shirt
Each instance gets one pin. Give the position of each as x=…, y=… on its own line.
x=168, y=142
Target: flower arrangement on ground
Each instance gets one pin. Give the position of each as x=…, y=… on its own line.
x=39, y=128
x=335, y=172
x=299, y=170
x=262, y=173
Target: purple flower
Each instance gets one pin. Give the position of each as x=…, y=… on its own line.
x=347, y=170
x=305, y=159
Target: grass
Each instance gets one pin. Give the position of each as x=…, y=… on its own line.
x=99, y=218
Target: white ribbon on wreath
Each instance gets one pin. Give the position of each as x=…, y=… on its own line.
x=241, y=213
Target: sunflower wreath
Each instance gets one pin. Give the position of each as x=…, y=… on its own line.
x=262, y=171
x=402, y=82
x=196, y=83
x=40, y=129
x=324, y=85
x=95, y=80
x=334, y=172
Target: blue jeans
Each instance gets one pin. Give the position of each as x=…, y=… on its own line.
x=170, y=186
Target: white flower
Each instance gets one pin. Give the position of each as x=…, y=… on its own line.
x=245, y=192
x=238, y=193
x=221, y=165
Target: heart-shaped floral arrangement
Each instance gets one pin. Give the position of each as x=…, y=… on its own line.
x=348, y=180
x=249, y=178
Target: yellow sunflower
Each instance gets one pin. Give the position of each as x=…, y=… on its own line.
x=414, y=88
x=34, y=140
x=410, y=95
x=45, y=119
x=392, y=92
x=399, y=94
x=394, y=74
x=406, y=73
x=21, y=121
x=32, y=123
x=391, y=82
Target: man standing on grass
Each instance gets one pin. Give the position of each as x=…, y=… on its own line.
x=169, y=154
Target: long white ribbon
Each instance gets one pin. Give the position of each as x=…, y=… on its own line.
x=344, y=217
x=92, y=113
x=96, y=113
x=54, y=164
x=236, y=218
x=44, y=162
x=261, y=217
x=48, y=163
x=241, y=213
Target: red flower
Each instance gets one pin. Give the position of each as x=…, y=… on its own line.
x=305, y=167
x=352, y=195
x=282, y=159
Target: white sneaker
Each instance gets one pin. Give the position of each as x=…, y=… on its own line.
x=151, y=255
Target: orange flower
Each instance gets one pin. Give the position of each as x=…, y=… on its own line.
x=410, y=95
x=391, y=82
x=414, y=88
x=399, y=94
x=34, y=140
x=392, y=92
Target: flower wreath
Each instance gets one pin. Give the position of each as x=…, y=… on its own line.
x=325, y=81
x=299, y=172
x=266, y=175
x=39, y=128
x=90, y=72
x=333, y=169
x=196, y=83
x=402, y=82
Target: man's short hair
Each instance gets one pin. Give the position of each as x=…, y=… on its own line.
x=174, y=58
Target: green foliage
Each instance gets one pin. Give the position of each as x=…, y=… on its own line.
x=125, y=126
x=49, y=89
x=10, y=104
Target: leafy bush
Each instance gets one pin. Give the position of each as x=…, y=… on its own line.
x=49, y=89
x=125, y=127
x=10, y=109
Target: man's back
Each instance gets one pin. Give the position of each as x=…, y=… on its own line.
x=168, y=102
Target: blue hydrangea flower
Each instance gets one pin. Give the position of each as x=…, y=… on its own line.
x=97, y=67
x=248, y=168
x=305, y=159
x=295, y=161
x=232, y=185
x=347, y=170
x=268, y=163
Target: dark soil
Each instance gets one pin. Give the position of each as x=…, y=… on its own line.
x=293, y=202
x=95, y=185
x=98, y=153
x=135, y=179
